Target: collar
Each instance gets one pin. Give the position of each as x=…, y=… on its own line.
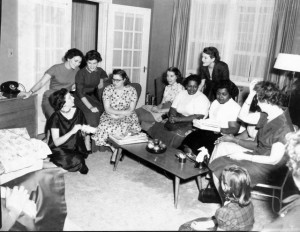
x=90, y=71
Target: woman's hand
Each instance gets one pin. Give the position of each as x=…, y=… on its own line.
x=94, y=109
x=251, y=87
x=76, y=128
x=172, y=119
x=225, y=138
x=155, y=109
x=25, y=95
x=235, y=156
x=17, y=200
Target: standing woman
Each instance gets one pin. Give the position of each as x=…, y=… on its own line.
x=211, y=70
x=60, y=76
x=119, y=117
x=88, y=80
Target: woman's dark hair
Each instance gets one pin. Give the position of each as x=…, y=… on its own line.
x=212, y=52
x=177, y=73
x=237, y=181
x=93, y=55
x=226, y=84
x=72, y=53
x=57, y=99
x=192, y=77
x=123, y=74
x=270, y=92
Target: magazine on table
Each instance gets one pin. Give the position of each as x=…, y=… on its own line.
x=207, y=124
x=129, y=138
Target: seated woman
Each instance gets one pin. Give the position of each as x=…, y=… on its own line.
x=223, y=110
x=88, y=80
x=151, y=114
x=228, y=144
x=237, y=214
x=66, y=139
x=188, y=105
x=289, y=214
x=119, y=117
x=268, y=155
x=211, y=70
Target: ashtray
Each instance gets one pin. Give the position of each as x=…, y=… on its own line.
x=156, y=146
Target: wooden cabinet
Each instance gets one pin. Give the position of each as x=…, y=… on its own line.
x=18, y=112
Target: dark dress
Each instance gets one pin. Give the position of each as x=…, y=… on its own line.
x=220, y=72
x=268, y=134
x=71, y=154
x=87, y=86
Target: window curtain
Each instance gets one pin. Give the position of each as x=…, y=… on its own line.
x=84, y=25
x=281, y=41
x=179, y=34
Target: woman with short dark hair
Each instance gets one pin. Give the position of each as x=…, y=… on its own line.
x=60, y=76
x=172, y=78
x=88, y=81
x=269, y=154
x=66, y=139
x=211, y=70
x=223, y=111
x=119, y=117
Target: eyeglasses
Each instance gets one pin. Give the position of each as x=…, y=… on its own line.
x=117, y=80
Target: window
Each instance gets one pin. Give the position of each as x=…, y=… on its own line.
x=239, y=29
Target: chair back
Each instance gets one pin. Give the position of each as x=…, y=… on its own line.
x=138, y=89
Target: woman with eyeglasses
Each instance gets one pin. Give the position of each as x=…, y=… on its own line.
x=119, y=117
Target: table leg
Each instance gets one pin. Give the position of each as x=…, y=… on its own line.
x=177, y=183
x=198, y=179
x=117, y=158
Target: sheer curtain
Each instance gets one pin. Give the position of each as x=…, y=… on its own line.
x=177, y=56
x=44, y=35
x=239, y=29
x=283, y=31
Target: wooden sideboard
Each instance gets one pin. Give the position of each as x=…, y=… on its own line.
x=18, y=112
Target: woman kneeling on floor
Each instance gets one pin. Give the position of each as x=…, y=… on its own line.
x=66, y=140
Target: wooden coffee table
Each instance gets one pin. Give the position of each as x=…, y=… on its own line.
x=166, y=161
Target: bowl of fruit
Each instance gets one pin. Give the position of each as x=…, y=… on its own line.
x=156, y=146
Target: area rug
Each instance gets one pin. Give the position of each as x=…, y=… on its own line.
x=137, y=197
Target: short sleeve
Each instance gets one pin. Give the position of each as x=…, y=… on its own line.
x=53, y=121
x=133, y=94
x=177, y=100
x=107, y=93
x=201, y=105
x=52, y=71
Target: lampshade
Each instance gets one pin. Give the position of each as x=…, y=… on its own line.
x=289, y=62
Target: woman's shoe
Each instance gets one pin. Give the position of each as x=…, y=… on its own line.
x=84, y=169
x=112, y=162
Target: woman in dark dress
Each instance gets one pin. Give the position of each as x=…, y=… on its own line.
x=66, y=139
x=211, y=70
x=88, y=80
x=269, y=154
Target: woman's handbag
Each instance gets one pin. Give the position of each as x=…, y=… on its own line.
x=209, y=194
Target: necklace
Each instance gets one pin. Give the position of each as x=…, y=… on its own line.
x=65, y=112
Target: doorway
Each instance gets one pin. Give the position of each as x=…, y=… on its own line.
x=84, y=25
x=128, y=43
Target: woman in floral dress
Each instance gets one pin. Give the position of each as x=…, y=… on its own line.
x=119, y=117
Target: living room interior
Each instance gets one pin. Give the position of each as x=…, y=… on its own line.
x=137, y=196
